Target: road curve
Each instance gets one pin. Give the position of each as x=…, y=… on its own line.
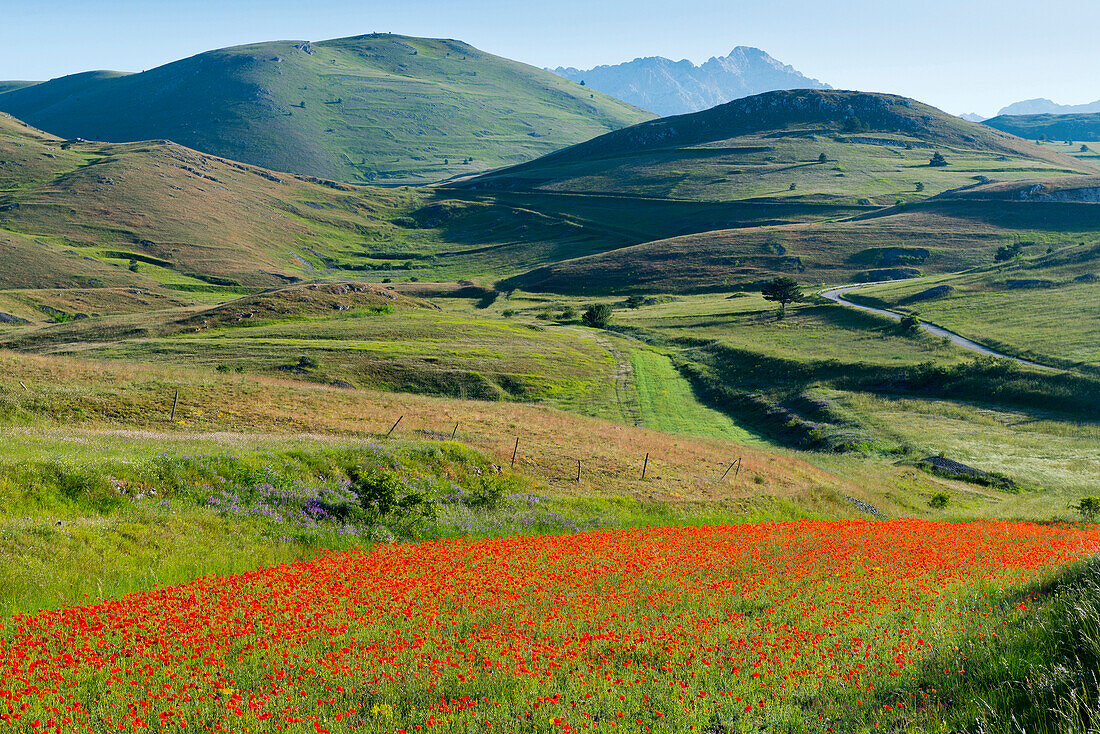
x=837, y=296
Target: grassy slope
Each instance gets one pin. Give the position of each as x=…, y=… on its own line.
x=12, y=85
x=731, y=144
x=1040, y=305
x=380, y=108
x=939, y=236
x=1061, y=127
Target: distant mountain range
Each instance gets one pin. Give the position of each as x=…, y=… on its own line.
x=1042, y=106
x=669, y=87
x=377, y=108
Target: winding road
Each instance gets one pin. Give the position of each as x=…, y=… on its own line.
x=837, y=296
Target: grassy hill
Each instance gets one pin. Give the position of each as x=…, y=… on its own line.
x=379, y=108
x=941, y=235
x=9, y=86
x=875, y=147
x=1081, y=126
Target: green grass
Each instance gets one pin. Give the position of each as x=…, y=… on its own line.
x=668, y=404
x=1054, y=321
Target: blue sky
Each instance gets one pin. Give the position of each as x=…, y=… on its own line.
x=961, y=55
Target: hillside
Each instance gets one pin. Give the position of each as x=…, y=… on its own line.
x=1080, y=126
x=158, y=214
x=872, y=145
x=9, y=86
x=947, y=233
x=376, y=108
x=677, y=87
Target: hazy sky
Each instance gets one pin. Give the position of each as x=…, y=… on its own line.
x=961, y=55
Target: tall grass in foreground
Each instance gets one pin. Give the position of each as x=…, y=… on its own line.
x=1036, y=670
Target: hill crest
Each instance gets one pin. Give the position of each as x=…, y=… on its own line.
x=373, y=108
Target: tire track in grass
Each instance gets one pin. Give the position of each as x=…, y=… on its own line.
x=669, y=404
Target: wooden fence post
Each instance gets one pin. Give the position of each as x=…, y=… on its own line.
x=175, y=402
x=645, y=464
x=393, y=427
x=514, y=450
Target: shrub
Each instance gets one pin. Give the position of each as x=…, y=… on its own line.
x=489, y=489
x=508, y=313
x=568, y=314
x=937, y=160
x=382, y=493
x=1089, y=507
x=635, y=302
x=910, y=324
x=938, y=501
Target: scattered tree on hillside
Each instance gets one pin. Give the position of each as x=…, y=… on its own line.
x=919, y=186
x=937, y=161
x=782, y=290
x=910, y=324
x=1084, y=149
x=792, y=187
x=582, y=82
x=853, y=124
x=598, y=316
x=635, y=302
x=1008, y=252
x=822, y=159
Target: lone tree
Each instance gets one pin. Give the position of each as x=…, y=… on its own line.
x=1084, y=149
x=598, y=316
x=822, y=159
x=782, y=290
x=938, y=161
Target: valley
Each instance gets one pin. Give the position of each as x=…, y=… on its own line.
x=387, y=312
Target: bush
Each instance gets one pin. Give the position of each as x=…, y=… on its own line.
x=635, y=302
x=938, y=501
x=489, y=489
x=568, y=314
x=382, y=494
x=598, y=316
x=1089, y=507
x=1007, y=252
x=937, y=160
x=508, y=313
x=910, y=324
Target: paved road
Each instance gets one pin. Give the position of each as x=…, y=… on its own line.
x=837, y=295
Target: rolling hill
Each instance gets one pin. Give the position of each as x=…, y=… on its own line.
x=831, y=145
x=378, y=108
x=92, y=214
x=677, y=87
x=10, y=86
x=858, y=164
x=1080, y=126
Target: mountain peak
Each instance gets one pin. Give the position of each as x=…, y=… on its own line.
x=671, y=87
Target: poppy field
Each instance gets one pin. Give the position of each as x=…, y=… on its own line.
x=780, y=626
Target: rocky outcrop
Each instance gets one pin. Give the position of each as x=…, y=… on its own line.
x=669, y=87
